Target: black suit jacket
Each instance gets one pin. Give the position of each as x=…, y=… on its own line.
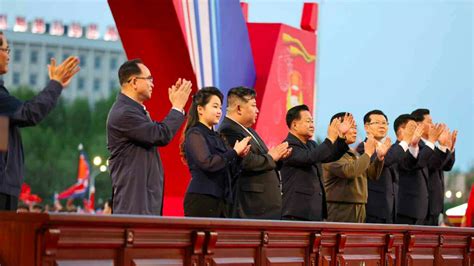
x=257, y=191
x=382, y=199
x=211, y=162
x=436, y=185
x=303, y=191
x=414, y=182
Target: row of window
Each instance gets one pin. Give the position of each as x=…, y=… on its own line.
x=81, y=82
x=34, y=54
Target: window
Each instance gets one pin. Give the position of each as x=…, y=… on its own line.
x=82, y=60
x=33, y=79
x=97, y=62
x=17, y=55
x=34, y=57
x=113, y=63
x=81, y=83
x=65, y=56
x=112, y=86
x=50, y=55
x=16, y=78
x=96, y=84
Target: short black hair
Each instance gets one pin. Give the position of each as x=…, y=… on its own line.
x=339, y=115
x=295, y=114
x=242, y=93
x=1, y=39
x=109, y=202
x=401, y=121
x=373, y=112
x=38, y=206
x=23, y=206
x=129, y=69
x=419, y=114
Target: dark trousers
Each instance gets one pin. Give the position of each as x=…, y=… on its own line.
x=8, y=202
x=201, y=205
x=402, y=219
x=293, y=218
x=432, y=220
x=377, y=220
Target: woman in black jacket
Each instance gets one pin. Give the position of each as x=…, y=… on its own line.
x=211, y=161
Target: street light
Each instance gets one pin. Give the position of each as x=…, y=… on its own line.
x=103, y=168
x=448, y=194
x=97, y=161
x=458, y=194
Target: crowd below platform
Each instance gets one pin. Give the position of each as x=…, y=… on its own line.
x=233, y=172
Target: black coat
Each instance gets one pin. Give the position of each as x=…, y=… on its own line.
x=303, y=191
x=257, y=191
x=413, y=191
x=21, y=114
x=211, y=162
x=135, y=164
x=436, y=185
x=382, y=201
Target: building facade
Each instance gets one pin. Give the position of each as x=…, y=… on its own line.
x=99, y=62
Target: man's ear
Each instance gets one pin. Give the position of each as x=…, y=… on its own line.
x=238, y=108
x=293, y=125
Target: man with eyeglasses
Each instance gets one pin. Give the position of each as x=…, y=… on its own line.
x=345, y=180
x=382, y=199
x=133, y=138
x=18, y=114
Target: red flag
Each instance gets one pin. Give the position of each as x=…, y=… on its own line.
x=80, y=188
x=468, y=218
x=26, y=196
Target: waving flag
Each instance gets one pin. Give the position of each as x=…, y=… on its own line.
x=26, y=196
x=79, y=189
x=89, y=204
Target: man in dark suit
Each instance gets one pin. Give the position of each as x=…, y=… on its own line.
x=437, y=165
x=383, y=193
x=133, y=138
x=303, y=192
x=414, y=181
x=18, y=114
x=257, y=192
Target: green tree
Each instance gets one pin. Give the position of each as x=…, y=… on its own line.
x=51, y=148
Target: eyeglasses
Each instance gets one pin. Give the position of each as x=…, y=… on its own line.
x=149, y=78
x=377, y=123
x=6, y=50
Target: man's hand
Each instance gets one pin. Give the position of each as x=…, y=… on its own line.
x=417, y=135
x=179, y=93
x=346, y=124
x=435, y=132
x=409, y=131
x=333, y=131
x=454, y=136
x=279, y=151
x=445, y=138
x=242, y=147
x=383, y=149
x=370, y=145
x=65, y=71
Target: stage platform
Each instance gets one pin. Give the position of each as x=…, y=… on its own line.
x=90, y=240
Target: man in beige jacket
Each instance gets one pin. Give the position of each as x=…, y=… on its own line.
x=345, y=180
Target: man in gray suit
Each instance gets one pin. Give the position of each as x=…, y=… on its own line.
x=133, y=138
x=257, y=192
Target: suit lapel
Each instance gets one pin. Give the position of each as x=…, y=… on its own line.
x=260, y=144
x=425, y=171
x=253, y=140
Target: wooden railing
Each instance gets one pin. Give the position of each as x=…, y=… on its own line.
x=68, y=239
